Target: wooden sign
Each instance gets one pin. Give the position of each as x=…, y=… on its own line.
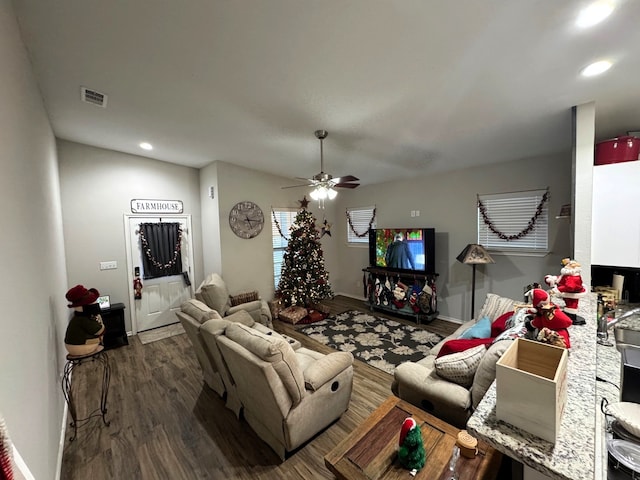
x=156, y=206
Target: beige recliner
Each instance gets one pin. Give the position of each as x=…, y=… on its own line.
x=287, y=395
x=203, y=325
x=214, y=293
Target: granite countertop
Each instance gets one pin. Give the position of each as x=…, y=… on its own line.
x=609, y=371
x=572, y=457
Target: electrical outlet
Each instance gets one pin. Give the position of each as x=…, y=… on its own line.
x=111, y=265
x=413, y=213
x=417, y=213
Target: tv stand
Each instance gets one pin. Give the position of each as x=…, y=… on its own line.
x=381, y=283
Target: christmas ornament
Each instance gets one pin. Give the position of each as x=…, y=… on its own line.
x=326, y=228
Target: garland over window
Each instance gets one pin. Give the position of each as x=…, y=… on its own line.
x=353, y=229
x=528, y=229
x=277, y=224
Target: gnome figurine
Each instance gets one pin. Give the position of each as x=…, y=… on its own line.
x=411, y=452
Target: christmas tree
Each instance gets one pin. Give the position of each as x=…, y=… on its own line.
x=304, y=280
x=411, y=453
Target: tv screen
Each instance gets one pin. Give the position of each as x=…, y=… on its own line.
x=402, y=249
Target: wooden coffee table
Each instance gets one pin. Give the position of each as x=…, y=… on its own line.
x=370, y=451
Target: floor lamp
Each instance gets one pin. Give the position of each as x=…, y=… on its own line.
x=474, y=254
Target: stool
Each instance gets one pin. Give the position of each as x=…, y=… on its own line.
x=72, y=362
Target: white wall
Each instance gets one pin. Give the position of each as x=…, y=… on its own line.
x=447, y=202
x=33, y=284
x=97, y=188
x=248, y=264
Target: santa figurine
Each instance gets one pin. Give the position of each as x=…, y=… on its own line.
x=547, y=318
x=569, y=287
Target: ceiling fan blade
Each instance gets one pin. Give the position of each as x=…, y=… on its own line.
x=296, y=186
x=346, y=185
x=347, y=178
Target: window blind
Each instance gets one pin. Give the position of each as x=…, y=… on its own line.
x=360, y=218
x=285, y=218
x=510, y=214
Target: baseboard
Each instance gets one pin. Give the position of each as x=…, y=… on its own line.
x=350, y=295
x=63, y=437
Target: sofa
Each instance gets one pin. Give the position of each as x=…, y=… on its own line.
x=287, y=395
x=420, y=384
x=214, y=293
x=203, y=325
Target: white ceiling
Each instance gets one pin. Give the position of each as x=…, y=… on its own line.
x=404, y=87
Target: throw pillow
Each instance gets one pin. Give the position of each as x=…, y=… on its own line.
x=460, y=345
x=495, y=305
x=243, y=298
x=460, y=367
x=499, y=324
x=481, y=329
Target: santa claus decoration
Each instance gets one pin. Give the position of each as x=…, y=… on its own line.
x=548, y=323
x=568, y=286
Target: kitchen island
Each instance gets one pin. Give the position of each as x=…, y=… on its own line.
x=573, y=455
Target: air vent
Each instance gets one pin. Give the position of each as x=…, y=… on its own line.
x=91, y=96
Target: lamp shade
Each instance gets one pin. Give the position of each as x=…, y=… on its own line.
x=474, y=254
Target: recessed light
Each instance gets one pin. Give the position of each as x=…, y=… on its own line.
x=596, y=68
x=594, y=14
x=146, y=146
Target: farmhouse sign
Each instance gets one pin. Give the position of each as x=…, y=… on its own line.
x=156, y=206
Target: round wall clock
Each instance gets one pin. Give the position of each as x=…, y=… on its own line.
x=246, y=219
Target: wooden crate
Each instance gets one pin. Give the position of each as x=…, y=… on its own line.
x=531, y=387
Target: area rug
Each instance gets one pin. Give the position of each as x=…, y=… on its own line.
x=160, y=333
x=379, y=342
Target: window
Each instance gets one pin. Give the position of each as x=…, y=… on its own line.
x=514, y=222
x=360, y=219
x=284, y=219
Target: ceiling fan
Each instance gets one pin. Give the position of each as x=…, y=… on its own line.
x=324, y=184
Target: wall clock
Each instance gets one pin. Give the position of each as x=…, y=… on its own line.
x=246, y=219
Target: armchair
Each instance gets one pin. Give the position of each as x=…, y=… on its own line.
x=214, y=293
x=287, y=396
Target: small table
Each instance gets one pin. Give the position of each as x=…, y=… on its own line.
x=73, y=361
x=370, y=451
x=115, y=334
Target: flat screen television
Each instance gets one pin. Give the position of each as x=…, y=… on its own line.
x=403, y=250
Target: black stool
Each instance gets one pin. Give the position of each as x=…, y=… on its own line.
x=72, y=362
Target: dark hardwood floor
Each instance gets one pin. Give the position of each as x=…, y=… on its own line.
x=165, y=424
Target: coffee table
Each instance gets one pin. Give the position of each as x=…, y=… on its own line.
x=370, y=451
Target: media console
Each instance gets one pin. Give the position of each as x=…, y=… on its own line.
x=381, y=283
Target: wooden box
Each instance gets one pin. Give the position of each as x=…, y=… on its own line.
x=531, y=387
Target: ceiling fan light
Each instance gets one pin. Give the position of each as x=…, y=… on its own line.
x=314, y=194
x=332, y=193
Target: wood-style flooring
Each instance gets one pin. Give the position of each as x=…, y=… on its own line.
x=165, y=424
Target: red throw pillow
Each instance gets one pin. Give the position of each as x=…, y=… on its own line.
x=498, y=325
x=462, y=344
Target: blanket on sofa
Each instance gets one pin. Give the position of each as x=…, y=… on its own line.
x=380, y=342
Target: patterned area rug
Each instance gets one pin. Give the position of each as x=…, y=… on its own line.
x=380, y=342
x=160, y=333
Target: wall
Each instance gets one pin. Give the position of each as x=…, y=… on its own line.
x=447, y=202
x=97, y=188
x=248, y=264
x=32, y=286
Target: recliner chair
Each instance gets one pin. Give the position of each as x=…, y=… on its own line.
x=287, y=396
x=214, y=293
